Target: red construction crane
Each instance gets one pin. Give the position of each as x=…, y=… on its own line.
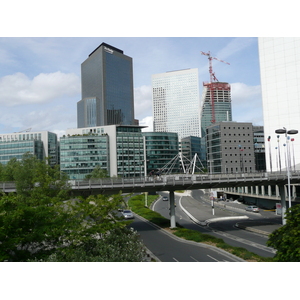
x=212, y=80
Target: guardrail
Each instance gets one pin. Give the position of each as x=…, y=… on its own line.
x=173, y=182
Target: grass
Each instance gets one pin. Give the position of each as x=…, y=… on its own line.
x=137, y=204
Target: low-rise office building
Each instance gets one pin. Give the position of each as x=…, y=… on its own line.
x=42, y=144
x=119, y=149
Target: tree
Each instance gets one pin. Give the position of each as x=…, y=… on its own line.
x=97, y=173
x=40, y=222
x=286, y=239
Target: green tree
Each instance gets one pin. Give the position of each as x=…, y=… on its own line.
x=286, y=239
x=97, y=173
x=41, y=221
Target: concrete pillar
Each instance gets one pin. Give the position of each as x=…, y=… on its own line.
x=283, y=202
x=172, y=209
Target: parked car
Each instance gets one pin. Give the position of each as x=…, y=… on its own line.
x=127, y=214
x=252, y=208
x=165, y=198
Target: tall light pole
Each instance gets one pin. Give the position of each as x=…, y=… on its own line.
x=286, y=132
x=269, y=139
x=278, y=136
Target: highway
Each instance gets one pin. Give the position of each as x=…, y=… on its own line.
x=224, y=229
x=168, y=248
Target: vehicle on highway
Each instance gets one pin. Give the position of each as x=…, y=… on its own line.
x=165, y=198
x=252, y=208
x=127, y=214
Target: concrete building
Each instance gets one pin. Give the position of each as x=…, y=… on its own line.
x=220, y=110
x=230, y=148
x=42, y=144
x=117, y=148
x=280, y=83
x=176, y=106
x=106, y=88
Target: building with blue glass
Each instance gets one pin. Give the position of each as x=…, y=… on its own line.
x=42, y=144
x=106, y=88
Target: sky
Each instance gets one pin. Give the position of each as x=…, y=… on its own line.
x=40, y=80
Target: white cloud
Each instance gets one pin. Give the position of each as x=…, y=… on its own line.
x=18, y=89
x=148, y=121
x=143, y=101
x=246, y=103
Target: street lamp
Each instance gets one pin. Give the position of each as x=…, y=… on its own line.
x=286, y=132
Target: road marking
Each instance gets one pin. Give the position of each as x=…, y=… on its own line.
x=175, y=259
x=212, y=257
x=194, y=258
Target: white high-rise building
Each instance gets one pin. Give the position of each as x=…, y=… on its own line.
x=176, y=105
x=280, y=82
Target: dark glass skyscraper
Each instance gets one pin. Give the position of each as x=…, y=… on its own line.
x=106, y=89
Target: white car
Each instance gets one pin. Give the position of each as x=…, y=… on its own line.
x=127, y=214
x=252, y=208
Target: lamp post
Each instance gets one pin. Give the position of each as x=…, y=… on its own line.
x=288, y=164
x=269, y=139
x=278, y=136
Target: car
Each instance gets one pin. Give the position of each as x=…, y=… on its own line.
x=165, y=198
x=252, y=208
x=127, y=214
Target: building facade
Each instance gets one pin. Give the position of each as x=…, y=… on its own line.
x=176, y=106
x=106, y=88
x=279, y=60
x=230, y=148
x=161, y=148
x=42, y=144
x=116, y=148
x=220, y=110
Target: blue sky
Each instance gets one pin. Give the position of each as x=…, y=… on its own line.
x=40, y=77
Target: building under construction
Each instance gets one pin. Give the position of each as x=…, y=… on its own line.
x=216, y=107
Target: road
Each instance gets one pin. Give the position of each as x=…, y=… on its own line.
x=224, y=229
x=168, y=248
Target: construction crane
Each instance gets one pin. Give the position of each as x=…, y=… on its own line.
x=213, y=79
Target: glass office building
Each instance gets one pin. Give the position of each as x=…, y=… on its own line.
x=107, y=89
x=161, y=149
x=42, y=144
x=176, y=106
x=116, y=148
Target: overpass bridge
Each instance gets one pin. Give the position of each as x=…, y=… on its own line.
x=172, y=183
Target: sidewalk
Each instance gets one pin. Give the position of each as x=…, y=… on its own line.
x=201, y=213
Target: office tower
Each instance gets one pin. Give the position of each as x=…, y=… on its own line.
x=220, y=110
x=280, y=84
x=106, y=88
x=176, y=102
x=42, y=144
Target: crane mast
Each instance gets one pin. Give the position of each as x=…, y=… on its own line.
x=213, y=79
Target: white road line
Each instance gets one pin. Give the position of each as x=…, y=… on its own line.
x=212, y=257
x=175, y=259
x=194, y=258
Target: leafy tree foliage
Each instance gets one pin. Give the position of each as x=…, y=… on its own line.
x=97, y=173
x=40, y=222
x=286, y=239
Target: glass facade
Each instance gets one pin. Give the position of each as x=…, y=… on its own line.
x=130, y=152
x=16, y=149
x=176, y=106
x=107, y=78
x=161, y=148
x=79, y=155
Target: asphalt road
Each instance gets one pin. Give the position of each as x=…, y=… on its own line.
x=168, y=248
x=226, y=230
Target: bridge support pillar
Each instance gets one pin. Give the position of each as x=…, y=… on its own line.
x=283, y=202
x=172, y=209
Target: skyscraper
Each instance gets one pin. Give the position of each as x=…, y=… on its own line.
x=106, y=88
x=280, y=83
x=176, y=102
x=218, y=111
